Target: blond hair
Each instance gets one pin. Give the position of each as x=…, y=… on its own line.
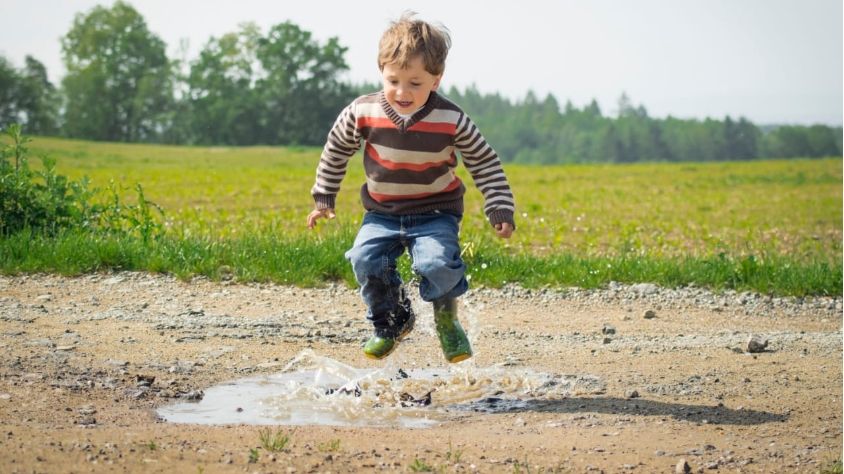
x=407, y=38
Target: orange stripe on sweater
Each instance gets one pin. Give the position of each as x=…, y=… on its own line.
x=398, y=197
x=434, y=127
x=375, y=122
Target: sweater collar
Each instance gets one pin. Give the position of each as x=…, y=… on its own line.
x=401, y=123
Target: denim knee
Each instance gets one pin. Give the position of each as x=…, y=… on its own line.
x=440, y=276
x=365, y=265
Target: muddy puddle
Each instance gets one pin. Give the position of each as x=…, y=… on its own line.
x=316, y=390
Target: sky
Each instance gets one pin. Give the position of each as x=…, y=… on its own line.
x=771, y=61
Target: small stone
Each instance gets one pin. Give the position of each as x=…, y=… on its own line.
x=117, y=363
x=607, y=329
x=86, y=410
x=194, y=395
x=631, y=394
x=607, y=340
x=682, y=467
x=43, y=298
x=87, y=421
x=645, y=288
x=756, y=343
x=649, y=314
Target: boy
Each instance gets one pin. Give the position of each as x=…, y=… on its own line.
x=412, y=196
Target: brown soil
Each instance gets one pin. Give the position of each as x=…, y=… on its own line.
x=73, y=348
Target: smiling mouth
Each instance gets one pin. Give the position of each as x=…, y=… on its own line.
x=404, y=104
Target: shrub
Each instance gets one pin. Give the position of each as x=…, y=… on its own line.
x=45, y=202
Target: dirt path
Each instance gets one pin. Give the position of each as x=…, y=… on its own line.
x=79, y=356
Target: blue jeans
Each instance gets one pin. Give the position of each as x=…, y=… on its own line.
x=432, y=242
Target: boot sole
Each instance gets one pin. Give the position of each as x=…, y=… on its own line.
x=459, y=358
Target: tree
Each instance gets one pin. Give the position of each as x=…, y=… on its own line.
x=281, y=88
x=300, y=91
x=118, y=82
x=223, y=106
x=38, y=99
x=28, y=98
x=9, y=83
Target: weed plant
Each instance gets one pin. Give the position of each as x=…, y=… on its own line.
x=273, y=442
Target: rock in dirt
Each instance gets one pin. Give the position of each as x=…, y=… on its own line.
x=607, y=329
x=649, y=314
x=644, y=288
x=87, y=421
x=756, y=343
x=194, y=395
x=631, y=394
x=682, y=467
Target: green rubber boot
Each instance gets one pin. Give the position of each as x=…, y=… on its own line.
x=384, y=341
x=453, y=339
x=378, y=347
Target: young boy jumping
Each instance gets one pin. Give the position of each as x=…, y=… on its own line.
x=412, y=196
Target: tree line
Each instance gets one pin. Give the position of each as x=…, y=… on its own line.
x=283, y=87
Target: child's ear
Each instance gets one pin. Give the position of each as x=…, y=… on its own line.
x=437, y=82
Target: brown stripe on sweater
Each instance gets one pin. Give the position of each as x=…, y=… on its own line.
x=416, y=141
x=380, y=173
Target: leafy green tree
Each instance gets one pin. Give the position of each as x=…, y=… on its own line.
x=28, y=97
x=300, y=92
x=224, y=108
x=280, y=88
x=9, y=84
x=38, y=99
x=119, y=80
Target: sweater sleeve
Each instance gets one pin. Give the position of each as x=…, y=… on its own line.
x=485, y=167
x=342, y=142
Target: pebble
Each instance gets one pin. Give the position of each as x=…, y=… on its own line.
x=682, y=467
x=649, y=314
x=644, y=288
x=631, y=394
x=194, y=395
x=756, y=343
x=87, y=421
x=607, y=329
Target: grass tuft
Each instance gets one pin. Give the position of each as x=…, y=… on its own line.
x=273, y=442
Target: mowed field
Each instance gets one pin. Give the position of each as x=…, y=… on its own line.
x=789, y=208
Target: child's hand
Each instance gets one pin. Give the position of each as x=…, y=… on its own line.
x=504, y=230
x=319, y=214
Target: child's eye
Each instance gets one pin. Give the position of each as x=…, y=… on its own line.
x=414, y=84
x=394, y=83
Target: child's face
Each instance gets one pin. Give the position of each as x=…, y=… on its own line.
x=407, y=89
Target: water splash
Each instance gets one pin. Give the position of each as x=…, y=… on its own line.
x=317, y=390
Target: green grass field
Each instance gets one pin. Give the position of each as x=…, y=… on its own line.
x=659, y=218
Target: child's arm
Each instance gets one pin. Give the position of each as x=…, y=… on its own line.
x=485, y=167
x=343, y=141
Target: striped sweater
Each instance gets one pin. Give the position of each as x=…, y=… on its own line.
x=410, y=163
